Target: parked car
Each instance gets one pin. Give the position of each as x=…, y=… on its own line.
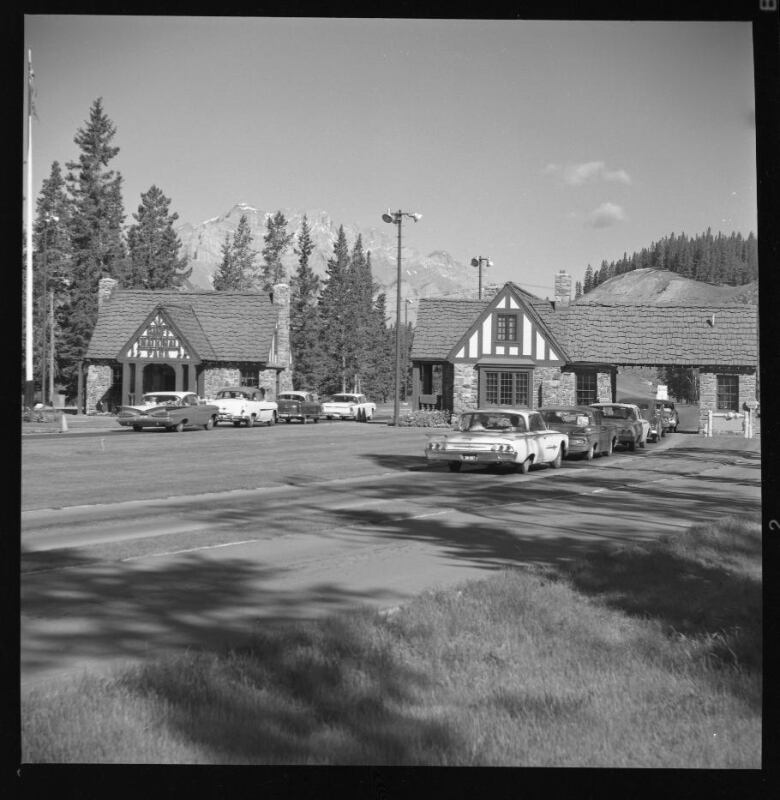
x=244, y=405
x=349, y=406
x=668, y=414
x=588, y=434
x=626, y=421
x=298, y=405
x=173, y=411
x=515, y=438
x=649, y=412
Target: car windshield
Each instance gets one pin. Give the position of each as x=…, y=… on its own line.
x=616, y=413
x=230, y=395
x=160, y=399
x=493, y=421
x=567, y=417
x=343, y=398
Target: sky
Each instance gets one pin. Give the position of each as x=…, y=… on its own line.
x=541, y=145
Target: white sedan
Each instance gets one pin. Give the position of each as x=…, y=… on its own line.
x=516, y=438
x=244, y=405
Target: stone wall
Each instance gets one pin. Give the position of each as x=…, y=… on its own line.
x=708, y=401
x=213, y=379
x=96, y=385
x=464, y=388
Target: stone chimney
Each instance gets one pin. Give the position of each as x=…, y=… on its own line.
x=562, y=288
x=280, y=297
x=106, y=288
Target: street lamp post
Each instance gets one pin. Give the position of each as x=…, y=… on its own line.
x=395, y=218
x=478, y=262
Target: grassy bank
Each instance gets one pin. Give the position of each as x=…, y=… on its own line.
x=640, y=657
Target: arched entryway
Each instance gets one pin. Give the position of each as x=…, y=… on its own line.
x=159, y=378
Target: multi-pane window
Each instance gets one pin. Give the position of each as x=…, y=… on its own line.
x=507, y=388
x=249, y=377
x=586, y=388
x=506, y=327
x=728, y=392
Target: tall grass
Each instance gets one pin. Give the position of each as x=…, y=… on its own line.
x=639, y=657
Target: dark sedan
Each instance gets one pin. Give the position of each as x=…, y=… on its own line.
x=588, y=435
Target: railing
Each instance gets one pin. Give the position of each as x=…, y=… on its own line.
x=746, y=417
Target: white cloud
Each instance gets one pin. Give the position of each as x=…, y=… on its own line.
x=577, y=174
x=606, y=215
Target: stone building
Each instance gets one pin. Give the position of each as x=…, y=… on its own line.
x=169, y=340
x=517, y=349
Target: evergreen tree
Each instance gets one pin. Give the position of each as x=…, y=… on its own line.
x=577, y=290
x=277, y=240
x=304, y=315
x=588, y=282
x=154, y=246
x=336, y=321
x=95, y=235
x=380, y=377
x=236, y=271
x=52, y=264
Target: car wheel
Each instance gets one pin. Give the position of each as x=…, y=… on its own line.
x=137, y=427
x=303, y=420
x=610, y=448
x=209, y=423
x=524, y=466
x=315, y=420
x=272, y=419
x=179, y=427
x=454, y=466
x=632, y=446
x=558, y=460
x=591, y=452
x=236, y=424
x=642, y=442
x=250, y=421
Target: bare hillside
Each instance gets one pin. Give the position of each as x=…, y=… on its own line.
x=652, y=286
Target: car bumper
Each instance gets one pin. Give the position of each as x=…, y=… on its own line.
x=471, y=457
x=146, y=422
x=580, y=447
x=230, y=418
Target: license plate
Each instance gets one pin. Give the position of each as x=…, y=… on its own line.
x=468, y=458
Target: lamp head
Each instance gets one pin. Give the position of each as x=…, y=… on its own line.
x=388, y=217
x=474, y=262
x=416, y=217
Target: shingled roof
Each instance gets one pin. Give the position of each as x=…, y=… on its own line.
x=657, y=334
x=621, y=333
x=441, y=324
x=220, y=326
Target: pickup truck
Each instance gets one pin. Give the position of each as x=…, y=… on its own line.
x=349, y=406
x=631, y=429
x=298, y=405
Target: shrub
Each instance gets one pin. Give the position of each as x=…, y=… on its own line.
x=425, y=419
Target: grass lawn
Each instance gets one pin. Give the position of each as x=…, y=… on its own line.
x=643, y=656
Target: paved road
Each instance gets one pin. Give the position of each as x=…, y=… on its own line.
x=120, y=581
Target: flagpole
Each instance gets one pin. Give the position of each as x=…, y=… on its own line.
x=29, y=385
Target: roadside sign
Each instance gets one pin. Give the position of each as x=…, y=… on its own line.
x=661, y=392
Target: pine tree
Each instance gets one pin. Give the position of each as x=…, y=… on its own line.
x=277, y=240
x=95, y=235
x=236, y=271
x=588, y=283
x=154, y=246
x=304, y=315
x=51, y=244
x=577, y=290
x=336, y=321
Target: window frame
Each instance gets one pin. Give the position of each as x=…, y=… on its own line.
x=507, y=378
x=504, y=336
x=727, y=397
x=580, y=391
